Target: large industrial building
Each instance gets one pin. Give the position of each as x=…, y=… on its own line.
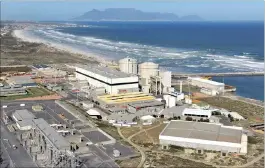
x=207, y=84
x=112, y=80
x=154, y=80
x=23, y=119
x=204, y=136
x=197, y=113
x=24, y=81
x=12, y=90
x=151, y=106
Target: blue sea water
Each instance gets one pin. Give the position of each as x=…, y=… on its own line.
x=176, y=46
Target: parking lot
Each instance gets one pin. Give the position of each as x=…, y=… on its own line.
x=98, y=156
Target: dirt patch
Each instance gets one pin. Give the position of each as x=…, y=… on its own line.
x=162, y=160
x=50, y=97
x=16, y=52
x=250, y=111
x=131, y=162
x=128, y=131
x=154, y=133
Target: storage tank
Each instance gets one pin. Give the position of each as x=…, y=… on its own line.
x=128, y=65
x=166, y=78
x=148, y=69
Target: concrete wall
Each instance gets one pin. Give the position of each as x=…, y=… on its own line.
x=200, y=144
x=148, y=110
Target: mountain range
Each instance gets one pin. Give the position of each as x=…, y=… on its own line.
x=131, y=14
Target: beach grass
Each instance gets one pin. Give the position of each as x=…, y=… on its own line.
x=252, y=112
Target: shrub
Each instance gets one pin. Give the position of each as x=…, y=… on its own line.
x=188, y=118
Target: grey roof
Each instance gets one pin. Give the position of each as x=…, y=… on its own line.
x=4, y=89
x=21, y=79
x=124, y=117
x=174, y=111
x=50, y=133
x=23, y=115
x=143, y=104
x=199, y=130
x=105, y=71
x=24, y=123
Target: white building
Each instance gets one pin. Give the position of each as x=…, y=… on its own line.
x=166, y=80
x=197, y=113
x=209, y=91
x=178, y=96
x=148, y=69
x=147, y=120
x=23, y=119
x=204, y=136
x=208, y=84
x=112, y=80
x=128, y=65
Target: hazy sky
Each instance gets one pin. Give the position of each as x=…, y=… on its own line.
x=66, y=9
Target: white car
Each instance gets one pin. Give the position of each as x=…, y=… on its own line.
x=14, y=147
x=4, y=106
x=22, y=105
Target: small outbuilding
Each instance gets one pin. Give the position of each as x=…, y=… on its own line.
x=148, y=119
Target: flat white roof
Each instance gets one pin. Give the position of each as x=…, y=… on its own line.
x=202, y=131
x=21, y=115
x=197, y=112
x=104, y=71
x=93, y=112
x=147, y=117
x=208, y=81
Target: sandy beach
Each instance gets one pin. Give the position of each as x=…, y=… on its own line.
x=19, y=48
x=25, y=37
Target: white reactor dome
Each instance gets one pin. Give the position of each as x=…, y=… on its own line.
x=148, y=69
x=128, y=65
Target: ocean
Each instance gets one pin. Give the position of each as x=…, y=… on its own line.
x=191, y=47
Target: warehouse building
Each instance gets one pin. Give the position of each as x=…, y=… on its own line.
x=204, y=136
x=23, y=119
x=24, y=81
x=208, y=84
x=113, y=81
x=197, y=113
x=20, y=115
x=150, y=106
x=12, y=90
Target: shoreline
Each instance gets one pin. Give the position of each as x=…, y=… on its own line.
x=18, y=34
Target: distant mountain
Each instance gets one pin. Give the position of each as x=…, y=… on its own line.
x=191, y=18
x=131, y=14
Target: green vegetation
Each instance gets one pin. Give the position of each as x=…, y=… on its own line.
x=15, y=69
x=185, y=88
x=250, y=111
x=252, y=140
x=32, y=92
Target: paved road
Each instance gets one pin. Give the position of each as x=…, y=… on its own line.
x=19, y=156
x=7, y=162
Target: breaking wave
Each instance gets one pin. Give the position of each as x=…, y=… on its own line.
x=172, y=58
